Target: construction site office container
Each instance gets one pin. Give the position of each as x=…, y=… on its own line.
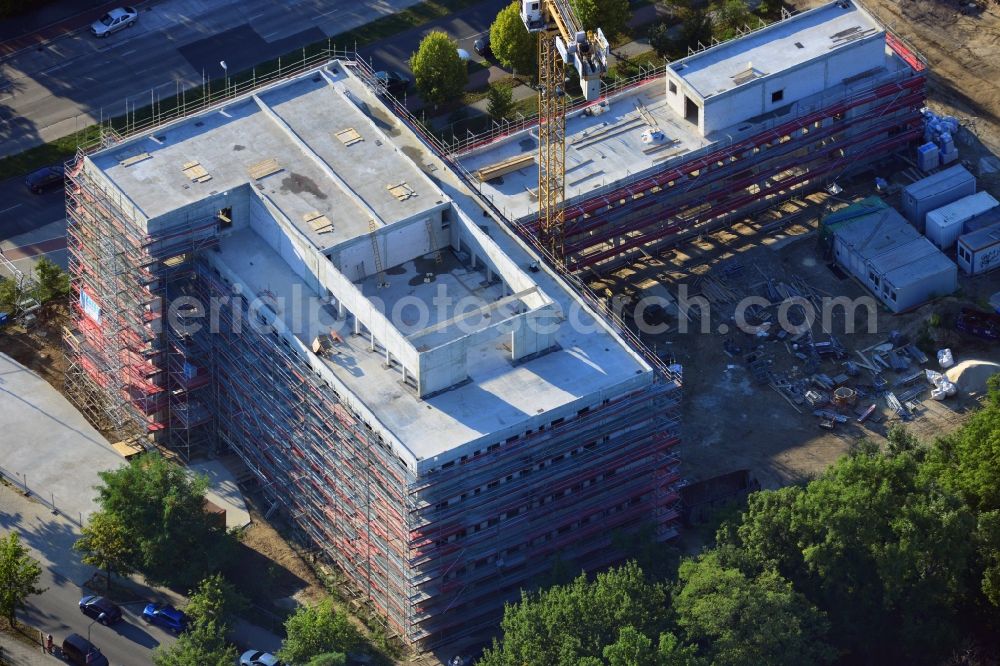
x=987, y=219
x=979, y=251
x=934, y=191
x=946, y=224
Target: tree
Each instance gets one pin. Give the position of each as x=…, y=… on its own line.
x=661, y=40
x=611, y=16
x=740, y=620
x=161, y=509
x=500, y=101
x=12, y=295
x=328, y=659
x=573, y=623
x=875, y=523
x=204, y=644
x=19, y=575
x=966, y=461
x=53, y=282
x=315, y=630
x=105, y=544
x=215, y=599
x=439, y=72
x=514, y=47
x=731, y=16
x=696, y=29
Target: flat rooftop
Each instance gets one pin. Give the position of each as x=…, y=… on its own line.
x=775, y=48
x=325, y=156
x=606, y=151
x=601, y=150
x=501, y=395
x=296, y=124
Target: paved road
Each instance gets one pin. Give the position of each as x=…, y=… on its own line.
x=31, y=225
x=50, y=539
x=74, y=79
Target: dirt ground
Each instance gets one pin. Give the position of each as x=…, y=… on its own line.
x=729, y=420
x=39, y=346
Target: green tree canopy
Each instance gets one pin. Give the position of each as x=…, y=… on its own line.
x=739, y=620
x=19, y=575
x=315, y=630
x=215, y=599
x=439, y=72
x=567, y=624
x=514, y=47
x=328, y=659
x=884, y=551
x=161, y=509
x=696, y=29
x=500, y=101
x=731, y=16
x=204, y=644
x=53, y=282
x=611, y=16
x=106, y=544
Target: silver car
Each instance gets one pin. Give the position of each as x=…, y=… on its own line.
x=114, y=20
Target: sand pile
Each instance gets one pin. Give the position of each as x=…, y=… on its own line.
x=971, y=375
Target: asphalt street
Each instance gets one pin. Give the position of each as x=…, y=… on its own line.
x=31, y=225
x=50, y=539
x=74, y=80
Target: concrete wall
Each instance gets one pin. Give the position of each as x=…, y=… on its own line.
x=398, y=243
x=736, y=105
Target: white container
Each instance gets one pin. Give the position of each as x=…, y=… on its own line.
x=945, y=359
x=979, y=251
x=942, y=188
x=946, y=224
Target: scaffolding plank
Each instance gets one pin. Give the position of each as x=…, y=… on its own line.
x=264, y=168
x=504, y=167
x=135, y=159
x=349, y=136
x=401, y=190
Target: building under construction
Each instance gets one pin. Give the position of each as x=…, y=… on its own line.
x=294, y=276
x=780, y=112
x=299, y=275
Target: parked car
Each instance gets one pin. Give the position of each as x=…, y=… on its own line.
x=100, y=609
x=482, y=45
x=165, y=616
x=258, y=658
x=395, y=83
x=78, y=650
x=114, y=20
x=45, y=178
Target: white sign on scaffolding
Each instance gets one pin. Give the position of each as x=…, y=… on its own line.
x=90, y=306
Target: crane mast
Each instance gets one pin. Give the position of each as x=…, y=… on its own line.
x=561, y=41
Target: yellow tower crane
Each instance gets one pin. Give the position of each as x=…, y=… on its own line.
x=561, y=40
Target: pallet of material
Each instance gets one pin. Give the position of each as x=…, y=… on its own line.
x=503, y=168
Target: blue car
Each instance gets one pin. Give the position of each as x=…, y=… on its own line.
x=167, y=617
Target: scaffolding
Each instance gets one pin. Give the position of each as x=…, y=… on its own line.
x=711, y=189
x=165, y=345
x=118, y=373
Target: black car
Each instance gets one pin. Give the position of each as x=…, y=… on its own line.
x=45, y=178
x=78, y=650
x=394, y=82
x=482, y=45
x=95, y=607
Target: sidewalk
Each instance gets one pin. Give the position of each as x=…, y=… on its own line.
x=16, y=653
